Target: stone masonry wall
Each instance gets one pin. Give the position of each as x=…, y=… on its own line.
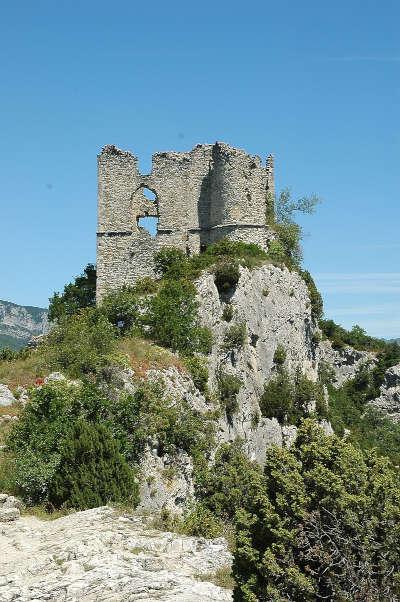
x=212, y=192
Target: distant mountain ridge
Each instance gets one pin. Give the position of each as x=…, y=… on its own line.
x=19, y=323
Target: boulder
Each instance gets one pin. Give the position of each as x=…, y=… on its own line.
x=6, y=397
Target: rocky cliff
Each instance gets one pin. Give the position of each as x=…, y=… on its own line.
x=388, y=401
x=19, y=323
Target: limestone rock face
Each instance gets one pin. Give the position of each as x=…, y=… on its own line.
x=344, y=362
x=274, y=305
x=389, y=400
x=10, y=507
x=6, y=397
x=98, y=555
x=166, y=482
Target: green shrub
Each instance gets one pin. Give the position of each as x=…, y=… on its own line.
x=290, y=399
x=228, y=312
x=357, y=338
x=226, y=275
x=172, y=316
x=80, y=344
x=171, y=262
x=317, y=306
x=326, y=373
x=308, y=393
x=228, y=387
x=288, y=246
x=38, y=440
x=203, y=340
x=229, y=482
x=276, y=252
x=124, y=309
x=249, y=253
x=145, y=286
x=202, y=522
x=277, y=401
x=199, y=371
x=369, y=428
x=91, y=470
x=77, y=295
x=235, y=337
x=279, y=355
x=321, y=525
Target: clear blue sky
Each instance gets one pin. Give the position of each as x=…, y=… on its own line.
x=316, y=83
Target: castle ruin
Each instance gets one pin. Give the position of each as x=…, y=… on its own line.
x=212, y=192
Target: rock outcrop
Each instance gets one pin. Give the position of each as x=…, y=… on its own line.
x=6, y=396
x=10, y=507
x=100, y=555
x=344, y=362
x=389, y=400
x=274, y=305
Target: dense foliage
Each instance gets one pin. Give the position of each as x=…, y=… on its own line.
x=91, y=470
x=228, y=387
x=349, y=409
x=73, y=434
x=288, y=399
x=323, y=525
x=81, y=344
x=77, y=295
x=319, y=522
x=173, y=321
x=356, y=337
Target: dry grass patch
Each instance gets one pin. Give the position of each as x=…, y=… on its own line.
x=23, y=371
x=5, y=425
x=144, y=355
x=222, y=577
x=42, y=513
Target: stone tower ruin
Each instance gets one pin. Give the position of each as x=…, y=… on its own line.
x=212, y=192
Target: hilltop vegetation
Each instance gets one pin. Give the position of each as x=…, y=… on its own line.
x=318, y=521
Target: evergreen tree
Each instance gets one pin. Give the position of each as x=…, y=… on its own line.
x=92, y=471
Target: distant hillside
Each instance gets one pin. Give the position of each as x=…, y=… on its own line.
x=19, y=323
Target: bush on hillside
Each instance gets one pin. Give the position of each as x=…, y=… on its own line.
x=277, y=400
x=198, y=369
x=317, y=306
x=77, y=295
x=124, y=309
x=228, y=387
x=228, y=312
x=91, y=471
x=289, y=399
x=80, y=344
x=48, y=431
x=226, y=275
x=321, y=525
x=279, y=355
x=171, y=262
x=286, y=248
x=229, y=482
x=172, y=318
x=235, y=336
x=357, y=338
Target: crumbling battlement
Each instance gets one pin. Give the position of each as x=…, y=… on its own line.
x=213, y=191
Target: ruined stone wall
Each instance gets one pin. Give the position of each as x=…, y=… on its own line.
x=211, y=192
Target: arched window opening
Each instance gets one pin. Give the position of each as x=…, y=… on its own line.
x=149, y=194
x=148, y=223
